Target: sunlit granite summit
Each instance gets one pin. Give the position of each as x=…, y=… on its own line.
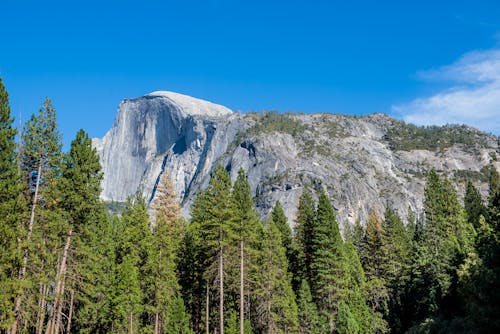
x=157, y=130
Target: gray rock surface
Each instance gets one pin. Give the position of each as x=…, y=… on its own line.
x=350, y=157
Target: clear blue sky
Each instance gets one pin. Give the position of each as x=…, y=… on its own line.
x=354, y=57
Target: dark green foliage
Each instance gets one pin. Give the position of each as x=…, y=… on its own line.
x=214, y=234
x=41, y=146
x=406, y=137
x=12, y=208
x=191, y=269
x=446, y=242
x=398, y=246
x=212, y=212
x=178, y=321
x=356, y=295
x=46, y=228
x=304, y=234
x=165, y=310
x=141, y=274
x=355, y=234
x=82, y=177
x=473, y=205
x=310, y=321
x=276, y=309
x=273, y=121
x=133, y=247
x=95, y=274
x=328, y=264
x=292, y=251
x=345, y=320
x=494, y=197
x=81, y=188
x=481, y=277
x=248, y=228
x=376, y=265
x=279, y=218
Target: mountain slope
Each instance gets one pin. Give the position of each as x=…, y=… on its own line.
x=363, y=162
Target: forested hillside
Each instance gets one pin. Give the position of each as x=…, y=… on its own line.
x=69, y=266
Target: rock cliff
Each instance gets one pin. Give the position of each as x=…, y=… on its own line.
x=362, y=162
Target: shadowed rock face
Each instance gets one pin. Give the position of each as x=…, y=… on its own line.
x=359, y=161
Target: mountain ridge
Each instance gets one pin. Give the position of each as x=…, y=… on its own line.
x=361, y=161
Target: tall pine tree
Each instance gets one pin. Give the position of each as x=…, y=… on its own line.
x=212, y=219
x=248, y=228
x=41, y=165
x=12, y=208
x=165, y=304
x=329, y=272
x=276, y=309
x=474, y=205
x=304, y=233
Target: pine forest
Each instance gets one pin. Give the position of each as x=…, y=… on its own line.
x=68, y=265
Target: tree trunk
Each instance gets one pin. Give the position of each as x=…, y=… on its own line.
x=156, y=323
x=58, y=319
x=42, y=303
x=55, y=314
x=242, y=292
x=17, y=309
x=207, y=310
x=70, y=314
x=131, y=331
x=64, y=267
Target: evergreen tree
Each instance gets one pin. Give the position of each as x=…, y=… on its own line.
x=248, y=227
x=494, y=200
x=473, y=205
x=494, y=183
x=356, y=296
x=79, y=189
x=279, y=218
x=46, y=230
x=95, y=274
x=178, y=317
x=12, y=209
x=482, y=281
x=161, y=270
x=328, y=265
x=356, y=234
x=133, y=250
x=310, y=322
x=304, y=234
x=212, y=219
x=376, y=264
x=92, y=268
x=276, y=308
x=191, y=268
x=446, y=240
x=398, y=246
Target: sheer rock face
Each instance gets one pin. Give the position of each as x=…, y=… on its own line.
x=349, y=157
x=162, y=129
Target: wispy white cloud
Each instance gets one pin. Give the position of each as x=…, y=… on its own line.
x=473, y=97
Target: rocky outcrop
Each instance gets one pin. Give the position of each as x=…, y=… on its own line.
x=360, y=161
